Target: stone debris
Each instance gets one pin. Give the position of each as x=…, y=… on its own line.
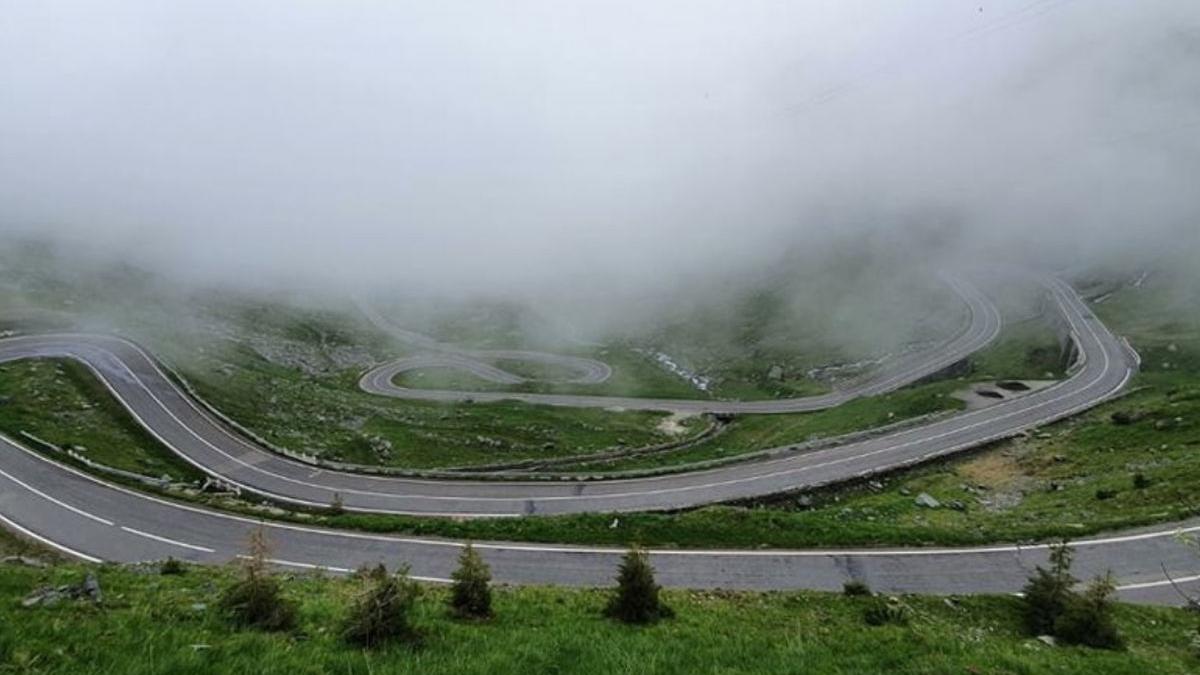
x=48, y=596
x=925, y=499
x=23, y=561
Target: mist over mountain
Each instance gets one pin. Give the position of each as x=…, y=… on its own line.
x=598, y=153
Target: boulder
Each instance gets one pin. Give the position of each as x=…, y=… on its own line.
x=925, y=499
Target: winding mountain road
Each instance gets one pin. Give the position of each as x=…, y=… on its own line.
x=476, y=362
x=90, y=518
x=982, y=326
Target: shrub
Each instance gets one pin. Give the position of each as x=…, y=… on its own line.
x=636, y=599
x=1047, y=592
x=1122, y=417
x=856, y=588
x=1103, y=495
x=256, y=601
x=883, y=611
x=1087, y=618
x=470, y=596
x=1140, y=482
x=381, y=614
x=171, y=566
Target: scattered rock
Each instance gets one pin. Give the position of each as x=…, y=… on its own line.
x=775, y=373
x=91, y=588
x=24, y=561
x=957, y=505
x=43, y=597
x=925, y=499
x=48, y=596
x=1047, y=640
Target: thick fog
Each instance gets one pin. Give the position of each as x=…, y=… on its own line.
x=598, y=150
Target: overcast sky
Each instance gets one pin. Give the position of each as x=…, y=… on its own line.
x=520, y=145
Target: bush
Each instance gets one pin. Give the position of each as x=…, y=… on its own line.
x=1122, y=418
x=256, y=600
x=636, y=599
x=1103, y=495
x=883, y=611
x=1087, y=618
x=470, y=596
x=1047, y=592
x=381, y=614
x=856, y=588
x=170, y=567
x=1140, y=482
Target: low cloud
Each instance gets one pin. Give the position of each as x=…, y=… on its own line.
x=597, y=151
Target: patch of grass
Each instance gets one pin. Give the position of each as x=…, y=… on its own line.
x=157, y=624
x=1026, y=350
x=62, y=402
x=14, y=545
x=328, y=416
x=748, y=433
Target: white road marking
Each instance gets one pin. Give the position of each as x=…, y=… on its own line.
x=166, y=540
x=552, y=548
x=53, y=500
x=1157, y=584
x=48, y=542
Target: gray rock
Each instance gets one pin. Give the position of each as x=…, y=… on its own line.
x=925, y=499
x=775, y=373
x=1047, y=640
x=91, y=588
x=24, y=561
x=48, y=596
x=43, y=597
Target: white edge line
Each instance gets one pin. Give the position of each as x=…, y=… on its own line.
x=1156, y=584
x=167, y=540
x=48, y=542
x=53, y=500
x=1173, y=531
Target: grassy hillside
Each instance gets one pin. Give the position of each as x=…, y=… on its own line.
x=148, y=623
